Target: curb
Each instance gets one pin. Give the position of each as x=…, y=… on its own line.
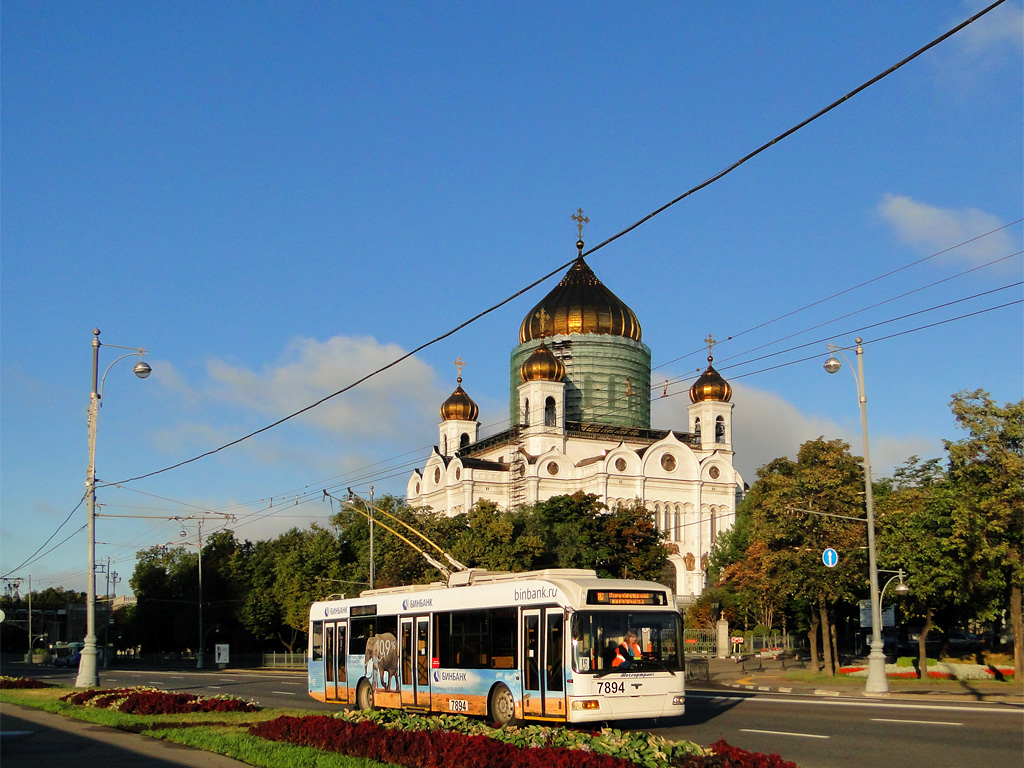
x=1010, y=700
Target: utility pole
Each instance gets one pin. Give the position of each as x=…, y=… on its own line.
x=371, y=510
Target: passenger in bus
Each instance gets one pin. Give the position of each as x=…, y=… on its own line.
x=469, y=656
x=627, y=651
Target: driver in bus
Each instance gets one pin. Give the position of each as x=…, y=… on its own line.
x=627, y=651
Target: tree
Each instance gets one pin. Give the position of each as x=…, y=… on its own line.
x=923, y=528
x=306, y=564
x=986, y=469
x=632, y=547
x=776, y=553
x=498, y=540
x=165, y=582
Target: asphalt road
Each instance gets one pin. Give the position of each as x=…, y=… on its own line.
x=824, y=732
x=812, y=731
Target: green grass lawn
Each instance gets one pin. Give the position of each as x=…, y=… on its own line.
x=226, y=733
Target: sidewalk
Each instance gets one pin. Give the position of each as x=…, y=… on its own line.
x=784, y=676
x=30, y=738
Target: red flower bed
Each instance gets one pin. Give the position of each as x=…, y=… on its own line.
x=22, y=682
x=149, y=703
x=442, y=749
x=144, y=702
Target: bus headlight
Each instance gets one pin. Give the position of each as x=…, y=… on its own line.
x=678, y=701
x=586, y=704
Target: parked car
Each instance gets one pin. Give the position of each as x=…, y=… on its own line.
x=908, y=643
x=963, y=642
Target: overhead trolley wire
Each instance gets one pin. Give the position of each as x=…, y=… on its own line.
x=861, y=285
x=707, y=182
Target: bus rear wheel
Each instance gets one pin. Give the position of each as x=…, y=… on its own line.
x=502, y=705
x=364, y=696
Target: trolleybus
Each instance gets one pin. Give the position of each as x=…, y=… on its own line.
x=539, y=645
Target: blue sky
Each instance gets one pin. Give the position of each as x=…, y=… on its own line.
x=275, y=199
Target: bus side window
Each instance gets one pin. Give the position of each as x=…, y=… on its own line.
x=555, y=643
x=362, y=630
x=504, y=624
x=316, y=641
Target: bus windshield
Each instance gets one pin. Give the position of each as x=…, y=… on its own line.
x=597, y=634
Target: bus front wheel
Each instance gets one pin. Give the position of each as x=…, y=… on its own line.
x=364, y=696
x=502, y=705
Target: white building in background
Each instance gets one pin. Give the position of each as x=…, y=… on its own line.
x=580, y=411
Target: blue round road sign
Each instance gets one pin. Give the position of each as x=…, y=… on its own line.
x=830, y=557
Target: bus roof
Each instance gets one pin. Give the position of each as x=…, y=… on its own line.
x=574, y=584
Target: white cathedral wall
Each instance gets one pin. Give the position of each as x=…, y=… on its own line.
x=682, y=499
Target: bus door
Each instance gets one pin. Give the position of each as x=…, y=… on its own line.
x=334, y=661
x=415, y=650
x=543, y=672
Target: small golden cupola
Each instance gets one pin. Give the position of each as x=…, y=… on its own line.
x=459, y=406
x=542, y=365
x=710, y=385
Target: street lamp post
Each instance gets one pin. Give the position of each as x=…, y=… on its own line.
x=88, y=675
x=877, y=682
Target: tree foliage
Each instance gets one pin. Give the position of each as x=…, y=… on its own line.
x=770, y=563
x=986, y=471
x=258, y=593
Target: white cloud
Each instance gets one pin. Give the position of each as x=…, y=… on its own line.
x=990, y=44
x=310, y=370
x=990, y=36
x=929, y=229
x=382, y=416
x=766, y=426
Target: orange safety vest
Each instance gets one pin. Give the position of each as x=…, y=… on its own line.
x=626, y=652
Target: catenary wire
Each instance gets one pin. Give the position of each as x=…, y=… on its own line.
x=707, y=182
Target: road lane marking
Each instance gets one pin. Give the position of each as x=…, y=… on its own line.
x=913, y=722
x=785, y=733
x=284, y=693
x=977, y=707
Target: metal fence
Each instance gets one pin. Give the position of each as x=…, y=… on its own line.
x=284, y=660
x=699, y=642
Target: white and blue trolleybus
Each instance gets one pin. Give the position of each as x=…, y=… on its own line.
x=539, y=646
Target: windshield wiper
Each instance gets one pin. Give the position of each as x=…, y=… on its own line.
x=637, y=666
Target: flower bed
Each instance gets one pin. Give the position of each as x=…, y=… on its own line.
x=22, y=682
x=442, y=747
x=940, y=670
x=150, y=701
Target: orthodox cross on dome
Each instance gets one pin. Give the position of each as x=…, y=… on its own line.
x=710, y=341
x=580, y=220
x=460, y=365
x=544, y=317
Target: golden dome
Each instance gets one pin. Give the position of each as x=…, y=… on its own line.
x=459, y=406
x=580, y=303
x=710, y=386
x=542, y=365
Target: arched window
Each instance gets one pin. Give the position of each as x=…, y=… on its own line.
x=719, y=430
x=526, y=412
x=444, y=445
x=696, y=427
x=464, y=440
x=549, y=412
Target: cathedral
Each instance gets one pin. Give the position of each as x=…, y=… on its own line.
x=580, y=414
